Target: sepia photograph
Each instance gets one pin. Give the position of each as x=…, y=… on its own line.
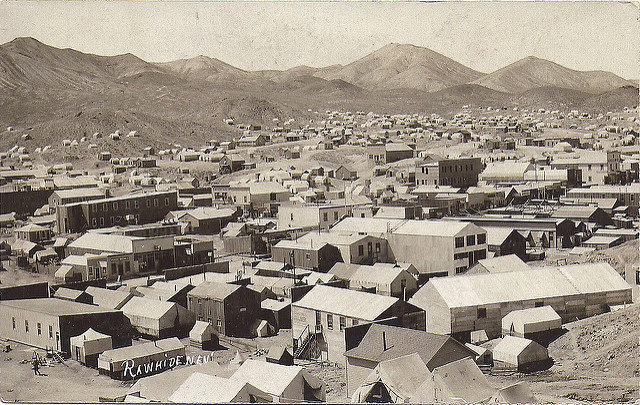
x=319, y=201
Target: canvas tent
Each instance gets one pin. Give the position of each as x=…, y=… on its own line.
x=86, y=347
x=459, y=382
x=519, y=393
x=283, y=383
x=393, y=381
x=202, y=388
x=519, y=352
x=531, y=321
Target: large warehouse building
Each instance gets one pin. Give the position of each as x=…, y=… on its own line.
x=51, y=322
x=462, y=304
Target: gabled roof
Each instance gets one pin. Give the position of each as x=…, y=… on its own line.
x=369, y=226
x=213, y=290
x=108, y=298
x=501, y=264
x=141, y=350
x=271, y=378
x=54, y=306
x=91, y=334
x=401, y=377
x=462, y=379
x=497, y=235
x=344, y=271
x=575, y=211
x=147, y=308
x=403, y=341
x=105, y=242
x=516, y=286
x=67, y=293
x=203, y=213
x=354, y=304
x=532, y=315
x=434, y=228
x=513, y=344
x=201, y=388
x=378, y=275
x=31, y=228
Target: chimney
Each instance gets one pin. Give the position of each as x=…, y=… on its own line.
x=384, y=341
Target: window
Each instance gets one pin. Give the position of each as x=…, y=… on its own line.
x=104, y=206
x=307, y=256
x=335, y=215
x=325, y=216
x=13, y=322
x=360, y=250
x=95, y=221
x=115, y=205
x=482, y=238
x=343, y=322
x=482, y=313
x=50, y=332
x=329, y=321
x=39, y=329
x=136, y=204
x=26, y=326
x=471, y=240
x=539, y=304
x=127, y=204
x=155, y=202
x=480, y=254
x=461, y=269
x=292, y=216
x=166, y=201
x=460, y=241
x=90, y=271
x=354, y=322
x=148, y=203
x=377, y=247
x=318, y=318
x=101, y=221
x=458, y=256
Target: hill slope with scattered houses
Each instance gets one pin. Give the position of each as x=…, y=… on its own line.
x=55, y=94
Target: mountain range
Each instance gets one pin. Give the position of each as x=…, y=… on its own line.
x=42, y=85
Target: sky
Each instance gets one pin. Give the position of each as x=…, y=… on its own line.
x=279, y=35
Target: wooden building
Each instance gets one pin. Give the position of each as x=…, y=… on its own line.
x=462, y=304
x=230, y=308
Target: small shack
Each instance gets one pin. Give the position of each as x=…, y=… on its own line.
x=524, y=354
x=86, y=348
x=277, y=312
x=279, y=355
x=262, y=328
x=204, y=336
x=532, y=323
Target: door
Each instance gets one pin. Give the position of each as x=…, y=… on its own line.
x=77, y=353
